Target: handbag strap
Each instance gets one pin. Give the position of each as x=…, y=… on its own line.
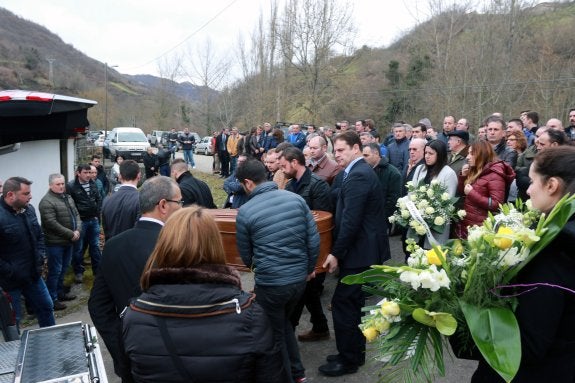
x=169, y=343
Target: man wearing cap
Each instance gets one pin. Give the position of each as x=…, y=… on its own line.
x=458, y=142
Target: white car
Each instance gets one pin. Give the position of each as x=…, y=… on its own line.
x=100, y=140
x=130, y=143
x=204, y=146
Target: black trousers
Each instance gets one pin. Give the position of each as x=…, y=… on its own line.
x=225, y=163
x=346, y=306
x=311, y=299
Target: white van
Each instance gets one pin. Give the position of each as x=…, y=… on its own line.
x=130, y=143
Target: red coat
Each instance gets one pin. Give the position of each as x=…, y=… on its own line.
x=490, y=190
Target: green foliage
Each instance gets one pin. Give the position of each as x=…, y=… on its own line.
x=495, y=332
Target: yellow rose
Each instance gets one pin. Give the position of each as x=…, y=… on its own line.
x=501, y=240
x=370, y=334
x=433, y=257
x=390, y=308
x=457, y=247
x=381, y=325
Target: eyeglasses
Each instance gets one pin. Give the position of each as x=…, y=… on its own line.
x=180, y=202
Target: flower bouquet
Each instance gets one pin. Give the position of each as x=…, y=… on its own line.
x=456, y=291
x=426, y=205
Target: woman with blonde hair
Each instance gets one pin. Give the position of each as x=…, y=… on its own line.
x=485, y=182
x=193, y=322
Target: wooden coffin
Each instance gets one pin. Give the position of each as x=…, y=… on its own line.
x=226, y=220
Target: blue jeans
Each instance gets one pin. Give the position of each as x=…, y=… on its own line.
x=189, y=157
x=37, y=296
x=59, y=258
x=91, y=236
x=233, y=164
x=278, y=303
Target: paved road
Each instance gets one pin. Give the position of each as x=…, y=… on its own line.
x=313, y=354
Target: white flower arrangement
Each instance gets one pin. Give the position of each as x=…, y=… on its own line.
x=433, y=203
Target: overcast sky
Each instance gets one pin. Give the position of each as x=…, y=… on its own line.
x=134, y=33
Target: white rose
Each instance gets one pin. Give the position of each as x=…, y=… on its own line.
x=405, y=214
x=461, y=214
x=420, y=230
x=413, y=197
x=391, y=219
x=429, y=210
x=439, y=221
x=423, y=189
x=434, y=182
x=430, y=193
x=445, y=197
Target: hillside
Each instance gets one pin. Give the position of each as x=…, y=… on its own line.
x=461, y=61
x=26, y=50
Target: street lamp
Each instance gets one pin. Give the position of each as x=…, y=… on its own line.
x=106, y=98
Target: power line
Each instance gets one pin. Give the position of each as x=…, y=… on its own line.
x=188, y=37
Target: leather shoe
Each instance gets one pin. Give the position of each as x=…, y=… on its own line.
x=312, y=336
x=59, y=306
x=337, y=369
x=66, y=297
x=337, y=358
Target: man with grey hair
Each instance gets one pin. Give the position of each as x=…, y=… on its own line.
x=123, y=261
x=61, y=224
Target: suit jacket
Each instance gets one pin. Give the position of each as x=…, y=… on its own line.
x=118, y=281
x=120, y=211
x=360, y=224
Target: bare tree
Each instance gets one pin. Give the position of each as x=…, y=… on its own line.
x=311, y=34
x=210, y=71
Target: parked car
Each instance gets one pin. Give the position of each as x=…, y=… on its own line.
x=92, y=136
x=130, y=143
x=204, y=146
x=156, y=137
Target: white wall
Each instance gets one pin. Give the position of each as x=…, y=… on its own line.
x=36, y=160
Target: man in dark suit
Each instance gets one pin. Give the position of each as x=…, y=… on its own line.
x=221, y=147
x=121, y=210
x=360, y=241
x=122, y=264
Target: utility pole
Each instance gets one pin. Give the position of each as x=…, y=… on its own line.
x=51, y=71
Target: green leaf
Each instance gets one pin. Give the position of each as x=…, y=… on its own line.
x=496, y=334
x=422, y=317
x=445, y=323
x=370, y=275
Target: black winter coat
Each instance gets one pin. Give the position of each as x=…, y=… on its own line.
x=88, y=205
x=218, y=332
x=546, y=316
x=22, y=249
x=313, y=190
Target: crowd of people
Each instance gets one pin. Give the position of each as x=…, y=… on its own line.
x=169, y=309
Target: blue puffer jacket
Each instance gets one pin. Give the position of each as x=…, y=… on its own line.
x=277, y=236
x=22, y=250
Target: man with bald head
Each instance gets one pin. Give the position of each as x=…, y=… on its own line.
x=554, y=123
x=319, y=162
